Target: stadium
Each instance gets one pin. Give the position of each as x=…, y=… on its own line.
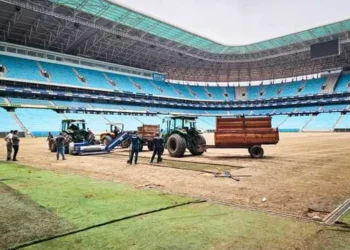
x=102, y=65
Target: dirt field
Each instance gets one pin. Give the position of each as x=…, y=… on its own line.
x=304, y=171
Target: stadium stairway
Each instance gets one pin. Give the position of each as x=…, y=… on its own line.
x=241, y=93
x=20, y=124
x=330, y=83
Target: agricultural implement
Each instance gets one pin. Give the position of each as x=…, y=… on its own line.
x=243, y=132
x=73, y=131
x=181, y=133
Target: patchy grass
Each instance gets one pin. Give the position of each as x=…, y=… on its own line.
x=346, y=218
x=200, y=226
x=22, y=220
x=81, y=202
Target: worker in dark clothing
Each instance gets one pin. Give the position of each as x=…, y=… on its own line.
x=60, y=146
x=49, y=138
x=116, y=131
x=15, y=144
x=158, y=148
x=8, y=139
x=135, y=147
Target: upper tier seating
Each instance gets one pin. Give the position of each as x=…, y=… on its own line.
x=123, y=83
x=307, y=109
x=323, y=121
x=106, y=106
x=334, y=107
x=291, y=88
x=313, y=86
x=146, y=85
x=217, y=93
x=184, y=91
x=19, y=68
x=199, y=92
x=94, y=79
x=39, y=122
x=19, y=101
x=62, y=74
x=271, y=91
x=343, y=83
x=254, y=92
x=7, y=122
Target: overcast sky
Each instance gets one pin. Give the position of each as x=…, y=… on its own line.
x=236, y=22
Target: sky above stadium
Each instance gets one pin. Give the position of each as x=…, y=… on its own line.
x=240, y=22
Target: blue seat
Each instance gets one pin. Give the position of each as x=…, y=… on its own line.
x=62, y=74
x=8, y=123
x=323, y=121
x=95, y=79
x=19, y=68
x=343, y=83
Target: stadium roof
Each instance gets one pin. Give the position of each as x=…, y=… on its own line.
x=125, y=16
x=100, y=30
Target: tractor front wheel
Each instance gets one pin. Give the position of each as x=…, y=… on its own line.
x=200, y=143
x=176, y=145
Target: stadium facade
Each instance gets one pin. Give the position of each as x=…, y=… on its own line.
x=102, y=62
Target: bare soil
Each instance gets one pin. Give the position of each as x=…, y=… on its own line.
x=304, y=171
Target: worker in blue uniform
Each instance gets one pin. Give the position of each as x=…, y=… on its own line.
x=158, y=148
x=135, y=147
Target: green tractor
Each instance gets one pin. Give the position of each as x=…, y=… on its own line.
x=181, y=133
x=73, y=131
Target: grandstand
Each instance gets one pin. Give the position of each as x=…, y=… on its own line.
x=88, y=74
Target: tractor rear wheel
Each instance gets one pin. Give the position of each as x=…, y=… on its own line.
x=176, y=145
x=107, y=140
x=200, y=140
x=150, y=145
x=256, y=151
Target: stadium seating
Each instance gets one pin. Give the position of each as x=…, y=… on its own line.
x=19, y=68
x=323, y=121
x=271, y=91
x=132, y=107
x=123, y=83
x=71, y=104
x=335, y=107
x=291, y=88
x=184, y=91
x=62, y=74
x=254, y=92
x=39, y=122
x=263, y=111
x=129, y=121
x=106, y=106
x=7, y=122
x=2, y=100
x=166, y=89
x=277, y=120
x=94, y=79
x=313, y=86
x=294, y=123
x=146, y=85
x=307, y=109
x=19, y=101
x=344, y=122
x=343, y=83
x=284, y=110
x=217, y=93
x=199, y=92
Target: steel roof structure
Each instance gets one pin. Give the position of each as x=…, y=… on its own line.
x=104, y=31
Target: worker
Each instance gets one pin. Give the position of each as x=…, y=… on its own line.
x=116, y=131
x=135, y=147
x=60, y=146
x=158, y=148
x=49, y=138
x=90, y=137
x=8, y=139
x=15, y=144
